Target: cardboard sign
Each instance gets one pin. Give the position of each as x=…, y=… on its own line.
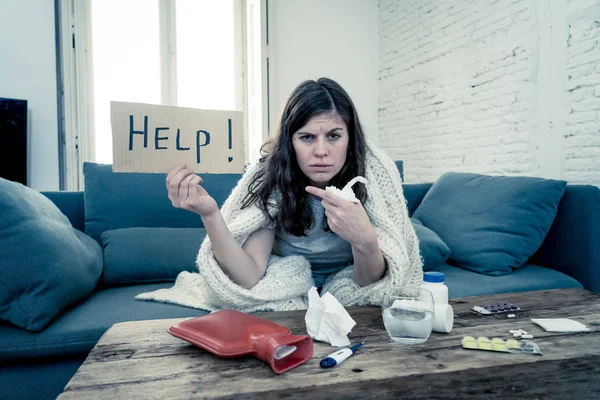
x=152, y=138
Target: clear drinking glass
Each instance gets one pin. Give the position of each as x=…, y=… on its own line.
x=408, y=314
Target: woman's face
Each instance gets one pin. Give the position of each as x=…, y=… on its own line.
x=321, y=146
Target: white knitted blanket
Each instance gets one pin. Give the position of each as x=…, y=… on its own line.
x=287, y=280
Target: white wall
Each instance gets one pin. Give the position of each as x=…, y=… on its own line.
x=335, y=38
x=28, y=71
x=492, y=87
x=582, y=92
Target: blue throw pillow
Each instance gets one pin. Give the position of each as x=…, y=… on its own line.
x=491, y=224
x=125, y=200
x=143, y=255
x=46, y=265
x=433, y=249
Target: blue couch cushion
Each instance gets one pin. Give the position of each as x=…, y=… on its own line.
x=492, y=224
x=463, y=283
x=414, y=194
x=143, y=255
x=433, y=249
x=125, y=200
x=77, y=330
x=45, y=264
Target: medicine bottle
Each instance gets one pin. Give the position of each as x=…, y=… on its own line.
x=443, y=315
x=434, y=282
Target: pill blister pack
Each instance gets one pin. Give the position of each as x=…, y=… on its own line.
x=496, y=308
x=500, y=345
x=493, y=344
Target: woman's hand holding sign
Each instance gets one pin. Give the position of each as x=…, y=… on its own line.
x=184, y=189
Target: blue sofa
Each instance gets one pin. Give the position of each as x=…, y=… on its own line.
x=39, y=364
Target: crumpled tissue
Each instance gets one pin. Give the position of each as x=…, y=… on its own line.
x=327, y=320
x=346, y=192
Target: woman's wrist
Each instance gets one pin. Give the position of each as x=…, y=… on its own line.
x=368, y=243
x=211, y=217
x=369, y=264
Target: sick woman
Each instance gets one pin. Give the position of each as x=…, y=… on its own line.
x=287, y=226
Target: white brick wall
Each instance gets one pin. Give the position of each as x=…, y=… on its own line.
x=582, y=133
x=481, y=86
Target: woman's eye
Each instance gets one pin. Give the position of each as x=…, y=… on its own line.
x=334, y=136
x=307, y=137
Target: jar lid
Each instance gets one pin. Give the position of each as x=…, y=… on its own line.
x=433, y=277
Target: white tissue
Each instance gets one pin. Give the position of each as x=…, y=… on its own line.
x=347, y=192
x=327, y=320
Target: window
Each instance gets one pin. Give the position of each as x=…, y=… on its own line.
x=207, y=69
x=203, y=54
x=126, y=62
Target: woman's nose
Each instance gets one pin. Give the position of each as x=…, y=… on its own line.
x=320, y=148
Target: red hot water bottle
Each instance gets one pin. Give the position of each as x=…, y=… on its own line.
x=230, y=333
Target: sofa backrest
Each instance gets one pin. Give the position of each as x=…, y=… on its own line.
x=572, y=245
x=71, y=204
x=580, y=203
x=414, y=194
x=123, y=200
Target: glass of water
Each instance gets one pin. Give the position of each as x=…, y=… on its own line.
x=408, y=314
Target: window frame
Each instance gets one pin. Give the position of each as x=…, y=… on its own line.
x=74, y=46
x=76, y=85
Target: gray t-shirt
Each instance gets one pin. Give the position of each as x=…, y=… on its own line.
x=326, y=251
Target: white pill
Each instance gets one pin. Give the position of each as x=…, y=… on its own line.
x=517, y=334
x=527, y=337
x=512, y=331
x=511, y=315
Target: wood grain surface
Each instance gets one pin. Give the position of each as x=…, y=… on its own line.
x=141, y=360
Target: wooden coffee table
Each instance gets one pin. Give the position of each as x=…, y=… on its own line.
x=141, y=360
